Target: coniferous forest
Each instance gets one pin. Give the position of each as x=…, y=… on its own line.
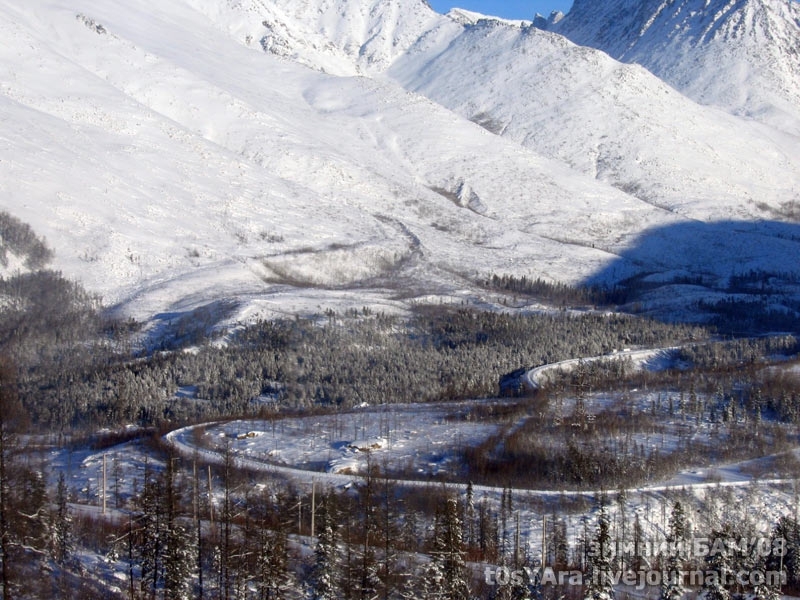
x=567, y=498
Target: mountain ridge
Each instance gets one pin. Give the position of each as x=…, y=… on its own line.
x=270, y=154
x=740, y=55
x=167, y=177
x=630, y=129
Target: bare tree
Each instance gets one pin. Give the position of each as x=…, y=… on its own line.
x=11, y=422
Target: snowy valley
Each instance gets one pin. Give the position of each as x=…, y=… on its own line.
x=203, y=151
x=351, y=299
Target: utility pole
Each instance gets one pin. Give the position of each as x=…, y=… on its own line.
x=210, y=499
x=544, y=541
x=313, y=504
x=198, y=527
x=103, y=489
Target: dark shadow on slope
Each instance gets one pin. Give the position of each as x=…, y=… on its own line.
x=180, y=329
x=742, y=276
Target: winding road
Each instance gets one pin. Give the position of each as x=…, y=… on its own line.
x=181, y=440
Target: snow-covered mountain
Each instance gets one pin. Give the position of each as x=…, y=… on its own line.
x=293, y=155
x=615, y=122
x=345, y=37
x=741, y=55
x=169, y=164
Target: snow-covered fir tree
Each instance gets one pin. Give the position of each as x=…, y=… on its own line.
x=446, y=575
x=178, y=562
x=764, y=591
x=179, y=552
x=672, y=587
x=433, y=583
x=529, y=587
x=767, y=588
x=325, y=572
x=62, y=539
x=469, y=516
x=273, y=579
x=718, y=566
x=150, y=547
x=787, y=530
x=599, y=585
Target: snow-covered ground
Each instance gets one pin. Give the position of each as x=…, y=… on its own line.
x=424, y=442
x=331, y=450
x=281, y=156
x=738, y=56
x=417, y=442
x=421, y=440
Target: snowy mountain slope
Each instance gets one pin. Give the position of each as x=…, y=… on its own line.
x=344, y=37
x=612, y=121
x=166, y=167
x=172, y=157
x=469, y=17
x=740, y=55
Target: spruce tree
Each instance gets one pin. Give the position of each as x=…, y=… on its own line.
x=12, y=418
x=62, y=540
x=151, y=546
x=389, y=533
x=787, y=530
x=325, y=572
x=487, y=532
x=273, y=580
x=447, y=555
x=433, y=582
x=178, y=555
x=33, y=514
x=368, y=581
x=469, y=517
x=279, y=579
x=672, y=587
x=600, y=585
x=558, y=543
x=763, y=591
x=529, y=587
x=719, y=564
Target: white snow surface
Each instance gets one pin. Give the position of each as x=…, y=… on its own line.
x=614, y=122
x=423, y=438
x=634, y=360
x=740, y=55
x=300, y=153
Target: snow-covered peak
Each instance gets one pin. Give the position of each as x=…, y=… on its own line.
x=465, y=17
x=615, y=122
x=619, y=26
x=740, y=55
x=469, y=17
x=542, y=22
x=338, y=36
x=374, y=31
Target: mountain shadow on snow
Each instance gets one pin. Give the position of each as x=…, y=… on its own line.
x=742, y=276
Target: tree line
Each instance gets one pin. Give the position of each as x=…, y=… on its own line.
x=194, y=531
x=594, y=426
x=333, y=361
